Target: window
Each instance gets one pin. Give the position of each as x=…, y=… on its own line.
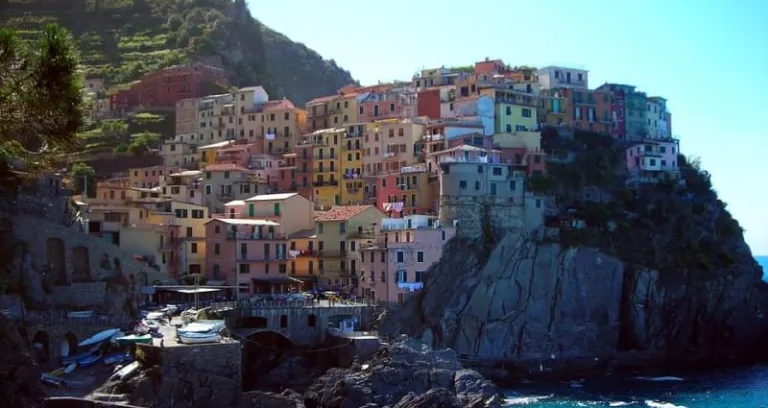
x=480, y=169
x=477, y=185
x=352, y=246
x=311, y=320
x=276, y=209
x=402, y=276
x=320, y=231
x=189, y=232
x=198, y=214
x=283, y=321
x=193, y=248
x=216, y=229
x=420, y=256
x=419, y=276
x=342, y=228
x=400, y=256
x=493, y=189
x=463, y=185
x=512, y=186
x=208, y=189
x=497, y=171
x=216, y=249
x=181, y=213
x=207, y=175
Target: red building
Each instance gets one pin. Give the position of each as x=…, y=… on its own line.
x=428, y=103
x=165, y=87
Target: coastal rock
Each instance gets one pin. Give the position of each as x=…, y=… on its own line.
x=258, y=399
x=19, y=374
x=542, y=305
x=407, y=373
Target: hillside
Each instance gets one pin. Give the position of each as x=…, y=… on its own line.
x=121, y=40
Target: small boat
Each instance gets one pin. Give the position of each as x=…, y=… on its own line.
x=202, y=326
x=70, y=368
x=153, y=325
x=89, y=361
x=125, y=372
x=98, y=337
x=155, y=316
x=134, y=339
x=80, y=315
x=53, y=381
x=198, y=338
x=116, y=358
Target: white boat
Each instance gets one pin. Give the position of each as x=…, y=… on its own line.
x=153, y=325
x=198, y=338
x=170, y=310
x=125, y=372
x=155, y=316
x=98, y=338
x=202, y=326
x=80, y=315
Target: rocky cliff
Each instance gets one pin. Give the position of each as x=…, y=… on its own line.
x=19, y=374
x=655, y=272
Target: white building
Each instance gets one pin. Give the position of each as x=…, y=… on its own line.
x=658, y=125
x=561, y=77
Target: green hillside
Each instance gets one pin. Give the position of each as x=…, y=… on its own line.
x=120, y=40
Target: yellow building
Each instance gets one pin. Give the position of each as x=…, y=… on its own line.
x=148, y=177
x=208, y=152
x=191, y=220
x=352, y=164
x=338, y=232
x=326, y=155
x=515, y=110
x=216, y=115
x=281, y=124
x=344, y=110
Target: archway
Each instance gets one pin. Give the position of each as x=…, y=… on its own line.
x=263, y=351
x=81, y=264
x=41, y=344
x=57, y=260
x=68, y=345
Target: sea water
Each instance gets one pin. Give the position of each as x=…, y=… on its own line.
x=745, y=387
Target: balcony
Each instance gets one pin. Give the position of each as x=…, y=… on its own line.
x=388, y=155
x=365, y=233
x=326, y=253
x=331, y=156
x=256, y=235
x=325, y=183
x=245, y=257
x=225, y=195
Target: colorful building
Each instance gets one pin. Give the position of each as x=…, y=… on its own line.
x=191, y=219
x=216, y=115
x=187, y=123
x=406, y=191
x=515, y=110
x=478, y=108
x=165, y=87
x=337, y=233
x=294, y=172
x=395, y=265
x=352, y=164
x=326, y=160
x=653, y=159
x=560, y=77
x=428, y=103
x=389, y=145
x=207, y=153
x=630, y=111
x=249, y=247
x=223, y=183
x=343, y=109
x=318, y=111
x=659, y=126
x=283, y=124
x=148, y=177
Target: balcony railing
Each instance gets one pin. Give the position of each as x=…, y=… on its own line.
x=325, y=156
x=225, y=195
x=245, y=257
x=325, y=183
x=256, y=235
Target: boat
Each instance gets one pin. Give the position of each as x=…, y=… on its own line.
x=116, y=358
x=53, y=380
x=155, y=316
x=98, y=337
x=189, y=315
x=202, y=326
x=89, y=361
x=125, y=372
x=153, y=325
x=70, y=368
x=134, y=339
x=74, y=359
x=198, y=338
x=80, y=315
x=170, y=310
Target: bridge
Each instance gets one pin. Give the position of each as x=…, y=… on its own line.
x=59, y=335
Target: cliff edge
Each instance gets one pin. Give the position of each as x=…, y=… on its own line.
x=652, y=273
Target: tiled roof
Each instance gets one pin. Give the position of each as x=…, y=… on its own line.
x=342, y=212
x=225, y=167
x=278, y=105
x=244, y=221
x=271, y=197
x=322, y=99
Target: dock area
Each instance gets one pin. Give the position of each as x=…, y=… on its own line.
x=168, y=329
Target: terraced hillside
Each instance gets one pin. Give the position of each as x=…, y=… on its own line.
x=120, y=40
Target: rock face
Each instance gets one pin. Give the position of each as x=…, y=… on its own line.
x=532, y=301
x=407, y=374
x=19, y=374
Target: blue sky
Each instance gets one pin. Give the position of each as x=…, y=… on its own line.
x=709, y=58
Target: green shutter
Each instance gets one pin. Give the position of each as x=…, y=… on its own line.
x=277, y=208
x=251, y=211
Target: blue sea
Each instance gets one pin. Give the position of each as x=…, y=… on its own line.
x=744, y=387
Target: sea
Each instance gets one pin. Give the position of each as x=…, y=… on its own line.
x=741, y=387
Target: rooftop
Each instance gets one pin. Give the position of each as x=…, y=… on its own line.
x=271, y=197
x=307, y=233
x=322, y=99
x=235, y=203
x=215, y=145
x=342, y=212
x=186, y=173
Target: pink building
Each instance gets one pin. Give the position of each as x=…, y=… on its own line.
x=395, y=265
x=652, y=159
x=239, y=154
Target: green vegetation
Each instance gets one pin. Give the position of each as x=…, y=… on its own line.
x=121, y=40
x=136, y=135
x=83, y=175
x=673, y=226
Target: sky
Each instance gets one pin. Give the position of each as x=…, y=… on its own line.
x=708, y=58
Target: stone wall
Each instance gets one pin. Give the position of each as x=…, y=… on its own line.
x=209, y=374
x=61, y=335
x=74, y=260
x=305, y=326
x=468, y=212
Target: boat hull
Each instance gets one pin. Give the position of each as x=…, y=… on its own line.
x=198, y=338
x=98, y=338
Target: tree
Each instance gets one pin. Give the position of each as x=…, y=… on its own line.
x=41, y=105
x=84, y=177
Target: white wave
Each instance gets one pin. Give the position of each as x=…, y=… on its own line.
x=659, y=379
x=525, y=400
x=620, y=404
x=657, y=404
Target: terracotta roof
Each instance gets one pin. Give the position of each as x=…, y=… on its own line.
x=322, y=99
x=278, y=105
x=237, y=148
x=342, y=212
x=225, y=167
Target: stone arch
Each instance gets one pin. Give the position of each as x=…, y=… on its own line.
x=279, y=339
x=262, y=351
x=56, y=257
x=41, y=344
x=81, y=264
x=68, y=345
